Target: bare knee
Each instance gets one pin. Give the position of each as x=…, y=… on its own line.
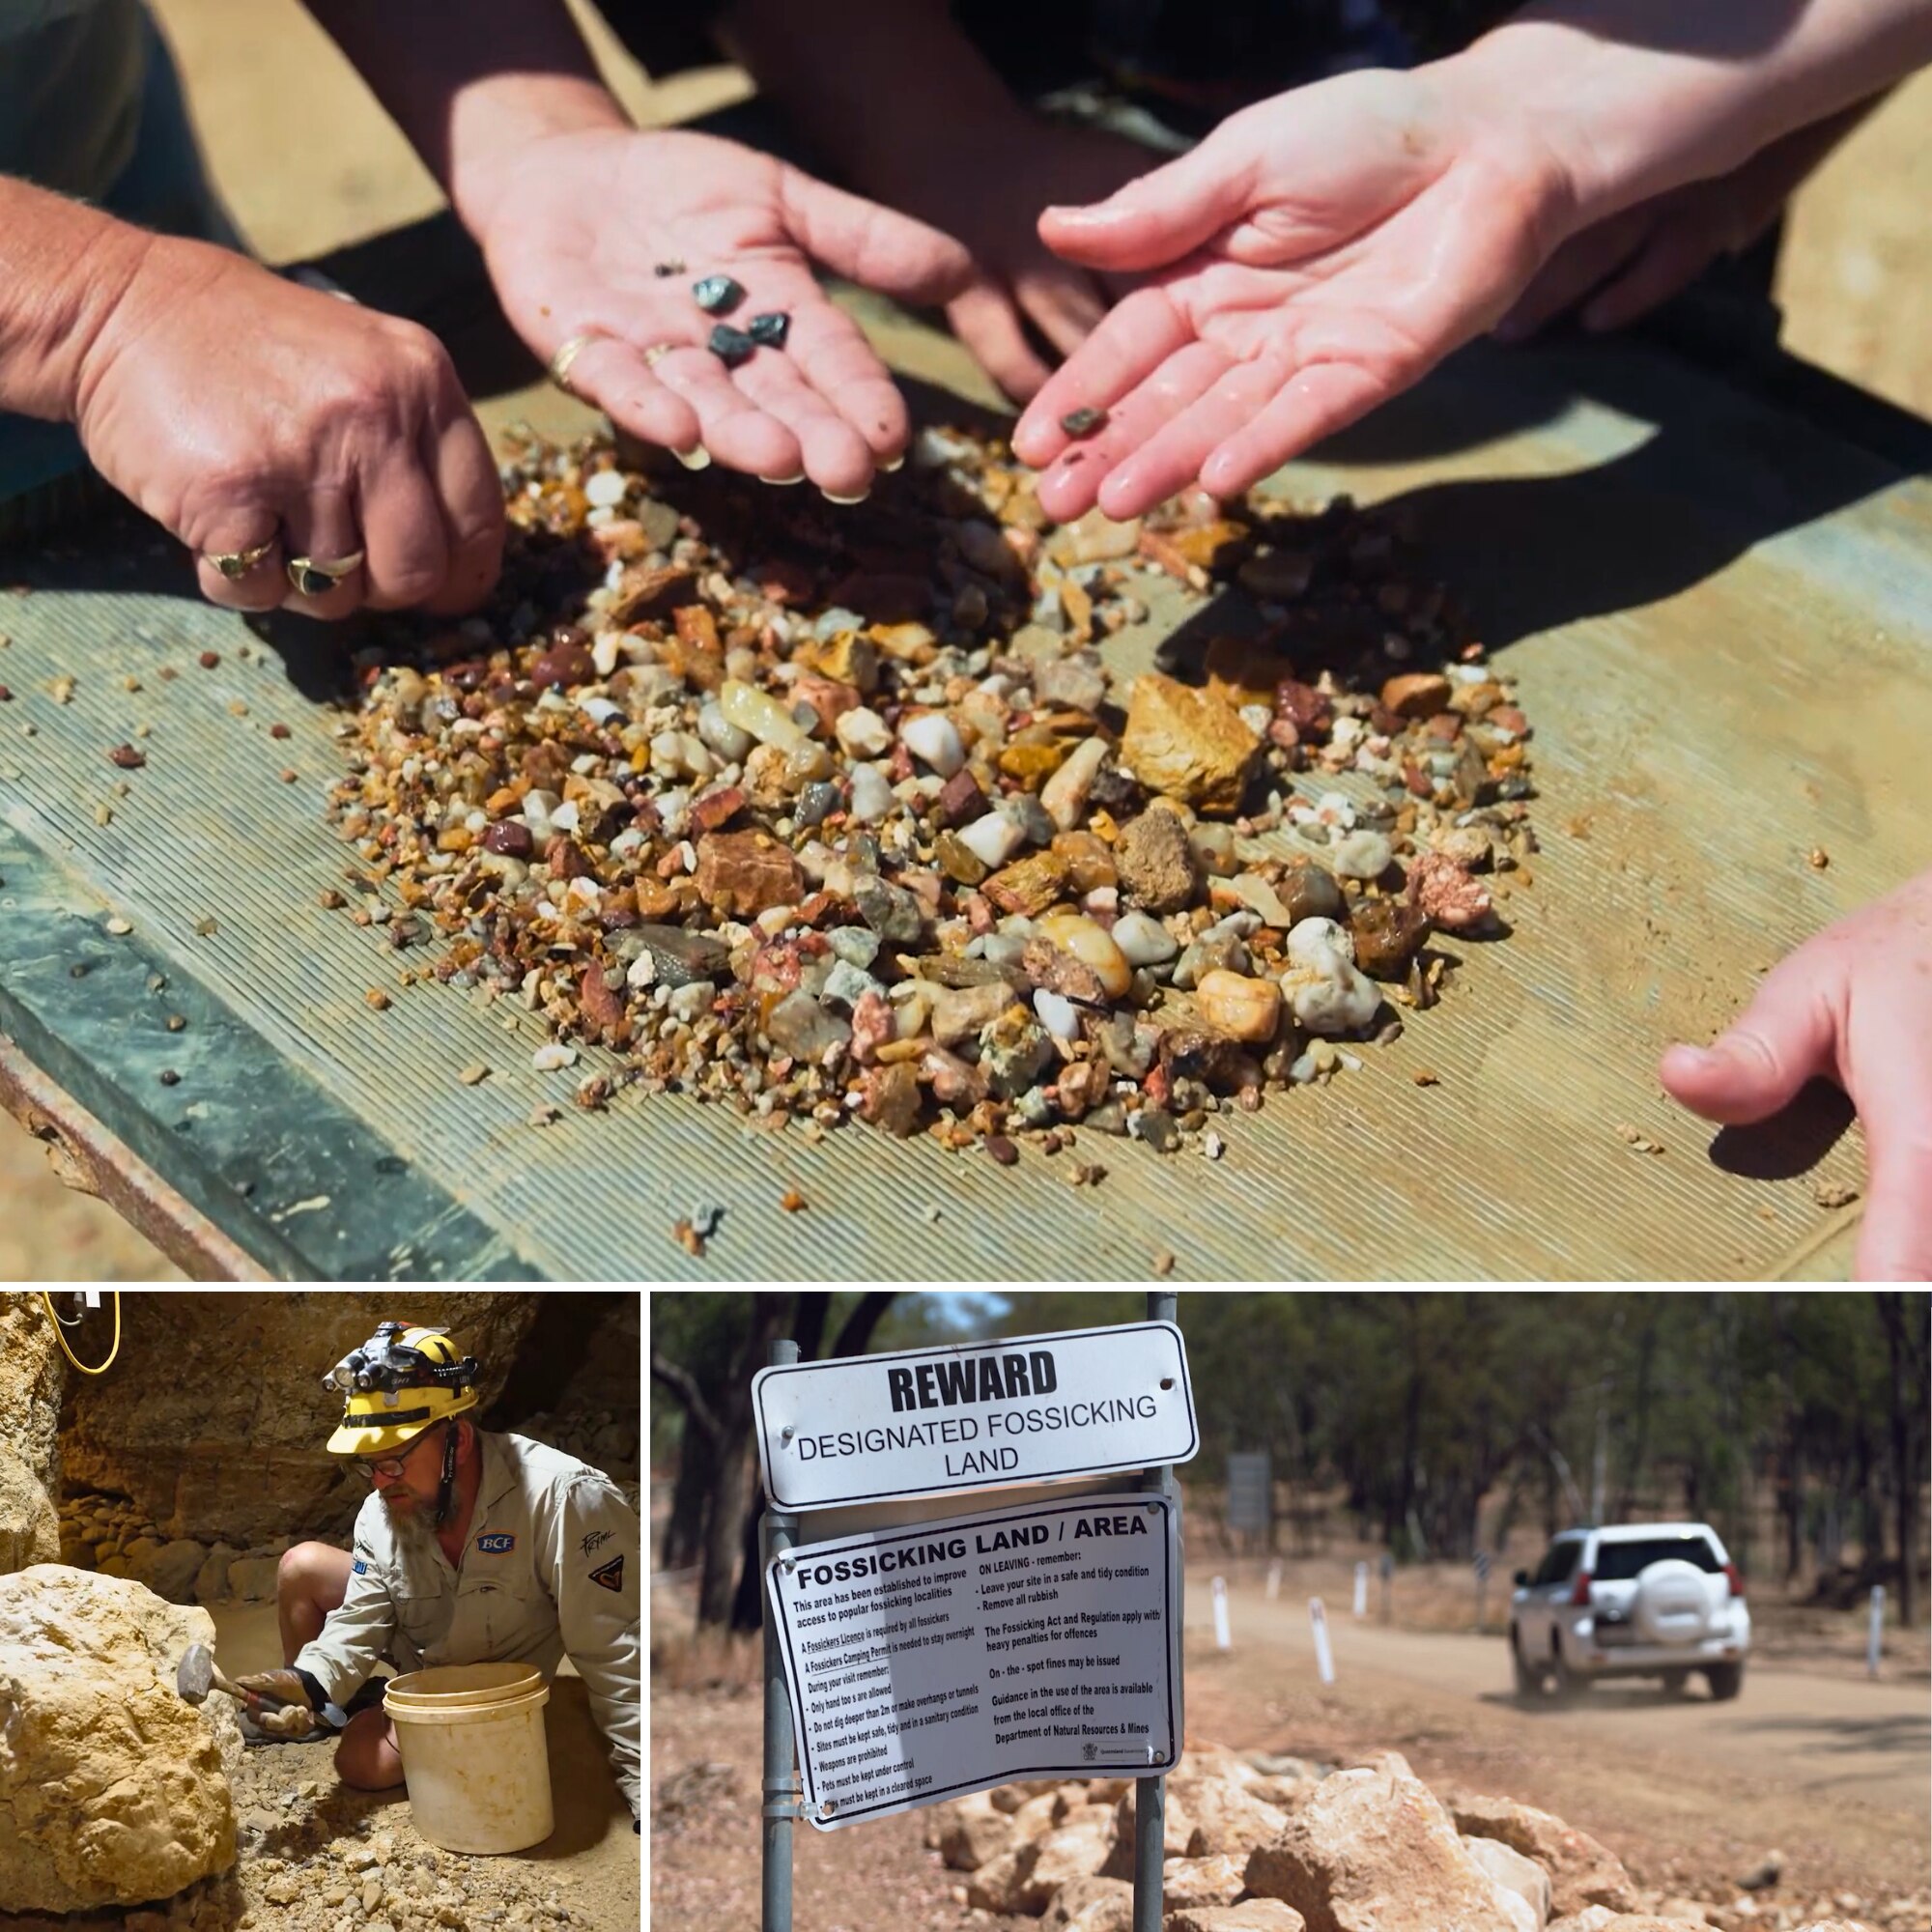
x=313, y=1573
x=367, y=1757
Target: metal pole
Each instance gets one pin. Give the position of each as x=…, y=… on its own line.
x=1150, y=1793
x=781, y=1780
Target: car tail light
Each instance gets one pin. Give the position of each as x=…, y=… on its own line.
x=1736, y=1581
x=1579, y=1597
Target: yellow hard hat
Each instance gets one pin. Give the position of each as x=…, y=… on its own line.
x=401, y=1381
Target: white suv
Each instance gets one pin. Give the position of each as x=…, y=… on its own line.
x=1648, y=1600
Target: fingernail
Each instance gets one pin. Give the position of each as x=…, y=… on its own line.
x=832, y=496
x=697, y=459
x=784, y=482
x=897, y=463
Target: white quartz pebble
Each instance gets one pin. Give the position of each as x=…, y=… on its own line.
x=934, y=739
x=863, y=732
x=1064, y=794
x=760, y=714
x=606, y=489
x=872, y=794
x=993, y=839
x=1144, y=940
x=1060, y=1016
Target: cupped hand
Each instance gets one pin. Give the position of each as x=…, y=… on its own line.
x=576, y=236
x=248, y=414
x=1313, y=257
x=1853, y=1005
x=1616, y=271
x=986, y=185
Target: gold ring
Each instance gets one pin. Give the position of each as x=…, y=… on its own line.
x=559, y=363
x=658, y=351
x=315, y=577
x=235, y=564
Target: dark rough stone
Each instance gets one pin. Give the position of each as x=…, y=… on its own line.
x=891, y=911
x=681, y=956
x=718, y=295
x=1159, y=1129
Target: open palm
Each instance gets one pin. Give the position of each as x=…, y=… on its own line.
x=577, y=242
x=1315, y=256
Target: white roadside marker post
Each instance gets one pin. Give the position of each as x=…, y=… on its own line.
x=1150, y=1793
x=1361, y=1589
x=1274, y=1580
x=1223, y=1637
x=783, y=1786
x=1875, y=1630
x=1324, y=1658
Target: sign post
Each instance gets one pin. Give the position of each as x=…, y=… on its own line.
x=1875, y=1630
x=1150, y=1793
x=1361, y=1589
x=1274, y=1580
x=906, y=1661
x=781, y=1784
x=1223, y=1637
x=1387, y=1568
x=1482, y=1586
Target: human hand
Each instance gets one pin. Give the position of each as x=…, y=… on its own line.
x=1315, y=256
x=576, y=230
x=985, y=185
x=1853, y=1003
x=238, y=410
x=296, y=1717
x=1618, y=270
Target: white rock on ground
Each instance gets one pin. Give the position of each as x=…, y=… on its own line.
x=1514, y=1873
x=1583, y=1872
x=112, y=1790
x=1372, y=1850
x=1253, y=1914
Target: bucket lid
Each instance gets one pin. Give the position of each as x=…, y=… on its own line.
x=455, y=1686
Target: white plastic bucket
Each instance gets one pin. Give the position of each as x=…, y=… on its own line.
x=472, y=1736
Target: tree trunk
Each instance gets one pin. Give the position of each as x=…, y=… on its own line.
x=1906, y=1339
x=690, y=1498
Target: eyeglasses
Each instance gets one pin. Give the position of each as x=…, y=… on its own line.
x=389, y=1468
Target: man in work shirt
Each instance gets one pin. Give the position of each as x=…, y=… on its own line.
x=475, y=1549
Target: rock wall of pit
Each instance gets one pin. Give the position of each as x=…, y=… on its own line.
x=213, y=1420
x=32, y=1375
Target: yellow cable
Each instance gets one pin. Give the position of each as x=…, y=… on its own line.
x=69, y=1352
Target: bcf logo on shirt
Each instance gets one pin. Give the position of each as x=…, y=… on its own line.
x=497, y=1544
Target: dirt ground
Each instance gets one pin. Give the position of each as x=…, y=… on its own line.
x=308, y=161
x=1689, y=1794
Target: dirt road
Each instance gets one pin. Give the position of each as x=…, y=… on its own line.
x=1809, y=1736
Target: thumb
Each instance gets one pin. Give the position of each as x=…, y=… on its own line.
x=1787, y=1036
x=1159, y=217
x=876, y=246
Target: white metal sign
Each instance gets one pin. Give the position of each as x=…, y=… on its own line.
x=974, y=1415
x=1038, y=1641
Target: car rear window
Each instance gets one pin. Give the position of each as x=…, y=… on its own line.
x=1559, y=1563
x=1620, y=1560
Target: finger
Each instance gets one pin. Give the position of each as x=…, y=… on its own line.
x=325, y=526
x=1672, y=260
x=1137, y=429
x=1066, y=308
x=834, y=356
x=1894, y=1101
x=265, y=583
x=471, y=493
x=1162, y=215
x=876, y=246
x=732, y=427
x=1786, y=1036
x=1316, y=401
x=613, y=376
x=1573, y=272
x=1132, y=341
x=833, y=454
x=985, y=320
x=404, y=534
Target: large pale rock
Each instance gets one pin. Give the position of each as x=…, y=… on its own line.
x=170, y=1569
x=1080, y=1848
x=1091, y=1905
x=1219, y=1880
x=1228, y=1818
x=1592, y=1919
x=215, y=1418
x=972, y=1834
x=1373, y=1851
x=32, y=1375
x=1515, y=1873
x=1040, y=1814
x=112, y=1790
x=1582, y=1871
x=1252, y=1914
x=1189, y=744
x=1000, y=1883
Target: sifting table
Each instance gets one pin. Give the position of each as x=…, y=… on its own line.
x=1715, y=598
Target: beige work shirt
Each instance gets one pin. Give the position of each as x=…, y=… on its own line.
x=550, y=1568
